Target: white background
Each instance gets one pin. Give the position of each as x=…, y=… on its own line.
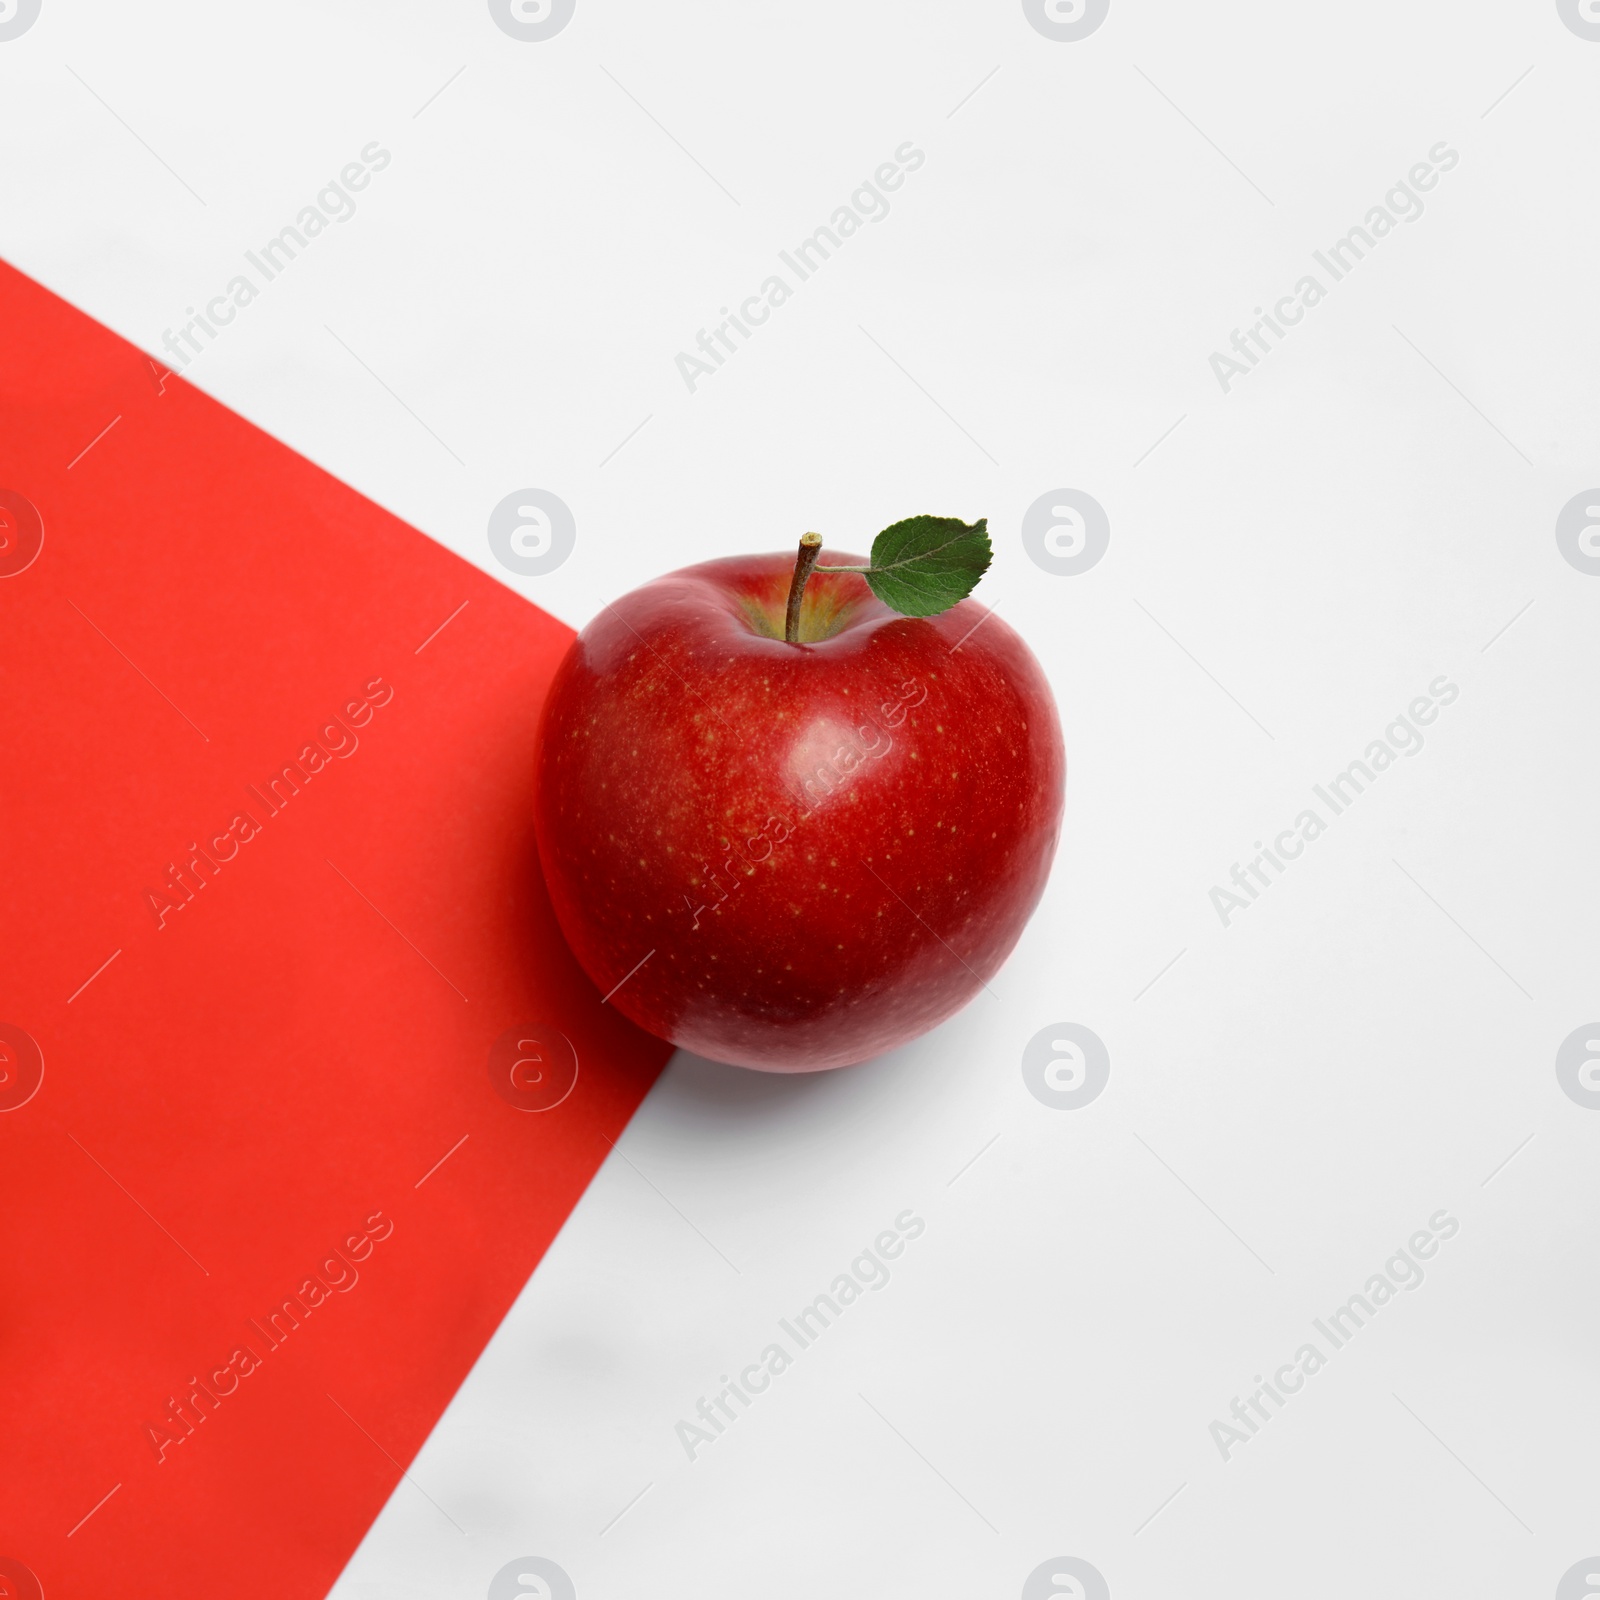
x=1296, y=560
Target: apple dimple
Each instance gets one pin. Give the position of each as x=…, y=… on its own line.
x=833, y=601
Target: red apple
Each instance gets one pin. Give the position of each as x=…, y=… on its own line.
x=794, y=856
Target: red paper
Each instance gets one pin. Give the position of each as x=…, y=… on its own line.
x=275, y=1086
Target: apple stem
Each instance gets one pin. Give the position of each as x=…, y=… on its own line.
x=810, y=549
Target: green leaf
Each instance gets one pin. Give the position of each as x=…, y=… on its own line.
x=925, y=565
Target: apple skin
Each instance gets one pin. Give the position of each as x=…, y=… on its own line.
x=818, y=851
